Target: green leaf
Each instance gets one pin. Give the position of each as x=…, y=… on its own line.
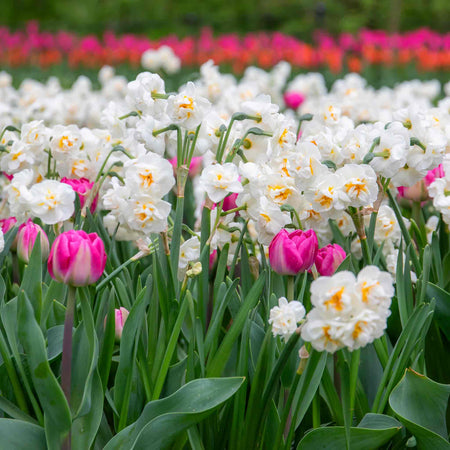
x=217, y=364
x=374, y=431
x=18, y=435
x=84, y=428
x=442, y=310
x=55, y=342
x=32, y=279
x=162, y=420
x=421, y=405
x=128, y=350
x=56, y=410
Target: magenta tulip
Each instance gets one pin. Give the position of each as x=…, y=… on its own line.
x=293, y=99
x=292, y=253
x=329, y=258
x=82, y=187
x=26, y=238
x=77, y=258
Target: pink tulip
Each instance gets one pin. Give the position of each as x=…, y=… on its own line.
x=7, y=224
x=329, y=258
x=82, y=187
x=293, y=99
x=26, y=237
x=121, y=315
x=77, y=258
x=292, y=253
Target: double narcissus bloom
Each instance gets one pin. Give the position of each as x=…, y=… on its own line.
x=77, y=258
x=292, y=253
x=285, y=317
x=348, y=311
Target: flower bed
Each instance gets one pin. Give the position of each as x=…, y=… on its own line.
x=255, y=254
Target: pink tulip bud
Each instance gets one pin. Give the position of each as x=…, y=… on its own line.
x=229, y=202
x=293, y=99
x=26, y=238
x=292, y=253
x=212, y=259
x=329, y=258
x=82, y=187
x=77, y=258
x=120, y=318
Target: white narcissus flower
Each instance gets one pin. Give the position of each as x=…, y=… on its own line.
x=149, y=174
x=269, y=219
x=360, y=184
x=148, y=215
x=188, y=108
x=218, y=180
x=65, y=140
x=285, y=317
x=52, y=201
x=189, y=252
x=141, y=92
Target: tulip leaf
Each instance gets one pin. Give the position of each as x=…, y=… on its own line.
x=374, y=431
x=56, y=410
x=128, y=351
x=217, y=364
x=442, y=309
x=19, y=435
x=421, y=405
x=55, y=342
x=162, y=420
x=32, y=279
x=84, y=428
x=55, y=291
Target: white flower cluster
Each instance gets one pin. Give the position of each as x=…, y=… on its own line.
x=348, y=311
x=162, y=58
x=136, y=206
x=285, y=317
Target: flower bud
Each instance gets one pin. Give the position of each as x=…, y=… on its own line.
x=292, y=253
x=26, y=238
x=229, y=202
x=77, y=258
x=293, y=99
x=329, y=258
x=120, y=317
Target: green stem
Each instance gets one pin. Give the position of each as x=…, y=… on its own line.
x=366, y=251
x=354, y=368
x=290, y=287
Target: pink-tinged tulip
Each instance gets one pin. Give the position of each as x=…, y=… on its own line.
x=329, y=258
x=195, y=167
x=26, y=237
x=212, y=259
x=120, y=318
x=82, y=187
x=77, y=258
x=293, y=99
x=229, y=202
x=292, y=253
x=7, y=224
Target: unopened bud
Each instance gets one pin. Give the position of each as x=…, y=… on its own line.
x=254, y=266
x=195, y=270
x=304, y=355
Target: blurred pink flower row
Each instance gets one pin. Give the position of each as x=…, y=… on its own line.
x=426, y=49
